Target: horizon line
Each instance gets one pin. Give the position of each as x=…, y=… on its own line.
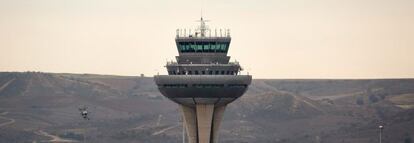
x=261, y=78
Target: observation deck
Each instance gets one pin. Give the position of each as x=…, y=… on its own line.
x=202, y=69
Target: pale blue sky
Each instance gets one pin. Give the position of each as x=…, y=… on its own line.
x=271, y=38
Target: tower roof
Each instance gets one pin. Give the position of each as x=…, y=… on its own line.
x=202, y=31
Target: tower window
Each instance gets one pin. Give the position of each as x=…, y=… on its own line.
x=222, y=72
x=193, y=47
x=212, y=46
x=196, y=72
x=206, y=47
x=203, y=72
x=217, y=72
x=190, y=72
x=199, y=47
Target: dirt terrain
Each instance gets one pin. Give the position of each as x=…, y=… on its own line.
x=43, y=107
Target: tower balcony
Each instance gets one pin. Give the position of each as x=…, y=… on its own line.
x=190, y=90
x=232, y=68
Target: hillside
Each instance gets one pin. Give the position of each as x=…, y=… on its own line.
x=41, y=106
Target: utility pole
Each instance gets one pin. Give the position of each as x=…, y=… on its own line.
x=380, y=133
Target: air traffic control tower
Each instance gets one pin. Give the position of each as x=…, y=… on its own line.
x=202, y=81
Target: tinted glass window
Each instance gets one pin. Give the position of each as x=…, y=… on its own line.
x=192, y=47
x=204, y=47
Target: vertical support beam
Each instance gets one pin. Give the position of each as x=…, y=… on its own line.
x=190, y=121
x=204, y=121
x=217, y=118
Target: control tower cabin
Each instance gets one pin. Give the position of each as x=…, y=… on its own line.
x=202, y=81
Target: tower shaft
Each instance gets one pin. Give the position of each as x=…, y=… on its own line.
x=202, y=122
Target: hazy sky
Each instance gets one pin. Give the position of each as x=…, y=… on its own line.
x=271, y=38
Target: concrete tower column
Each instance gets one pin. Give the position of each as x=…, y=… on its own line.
x=190, y=121
x=204, y=121
x=217, y=118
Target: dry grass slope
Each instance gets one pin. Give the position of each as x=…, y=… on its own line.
x=130, y=109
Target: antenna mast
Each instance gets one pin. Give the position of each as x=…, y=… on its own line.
x=203, y=28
